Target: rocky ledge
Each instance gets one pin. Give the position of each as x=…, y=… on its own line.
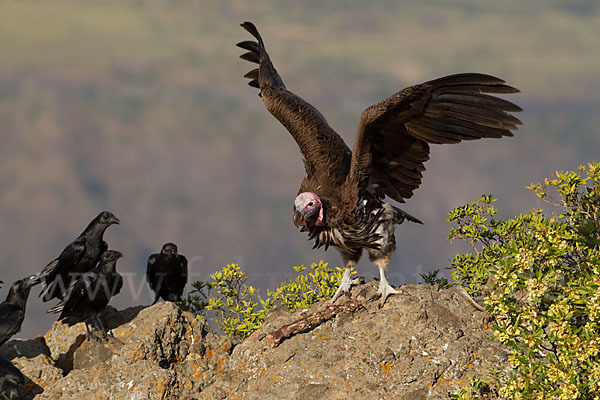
x=424, y=344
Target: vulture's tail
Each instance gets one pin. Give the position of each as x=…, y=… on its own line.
x=401, y=215
x=265, y=75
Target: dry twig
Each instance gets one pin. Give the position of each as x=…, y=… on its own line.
x=309, y=322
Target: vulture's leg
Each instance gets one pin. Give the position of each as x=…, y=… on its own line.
x=382, y=257
x=346, y=282
x=385, y=289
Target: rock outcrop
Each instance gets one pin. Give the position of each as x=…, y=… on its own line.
x=423, y=344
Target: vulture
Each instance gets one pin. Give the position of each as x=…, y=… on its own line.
x=10, y=380
x=12, y=310
x=77, y=258
x=90, y=294
x=340, y=202
x=167, y=273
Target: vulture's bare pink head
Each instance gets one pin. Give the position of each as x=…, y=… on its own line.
x=308, y=210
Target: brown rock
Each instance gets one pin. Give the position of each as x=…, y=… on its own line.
x=154, y=352
x=423, y=344
x=410, y=349
x=113, y=380
x=39, y=371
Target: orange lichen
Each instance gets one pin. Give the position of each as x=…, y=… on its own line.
x=386, y=367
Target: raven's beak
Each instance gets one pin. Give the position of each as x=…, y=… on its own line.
x=115, y=220
x=298, y=218
x=33, y=280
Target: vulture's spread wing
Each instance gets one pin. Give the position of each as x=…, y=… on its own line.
x=323, y=149
x=392, y=142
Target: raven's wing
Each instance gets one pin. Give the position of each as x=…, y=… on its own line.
x=151, y=271
x=10, y=380
x=77, y=294
x=70, y=256
x=118, y=285
x=11, y=318
x=183, y=278
x=183, y=263
x=61, y=304
x=392, y=142
x=323, y=150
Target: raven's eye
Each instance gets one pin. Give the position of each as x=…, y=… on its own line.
x=311, y=204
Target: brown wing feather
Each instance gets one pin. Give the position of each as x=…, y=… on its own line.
x=326, y=156
x=392, y=142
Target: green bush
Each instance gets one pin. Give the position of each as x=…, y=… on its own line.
x=433, y=279
x=542, y=270
x=238, y=309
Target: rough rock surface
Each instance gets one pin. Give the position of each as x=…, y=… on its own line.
x=423, y=344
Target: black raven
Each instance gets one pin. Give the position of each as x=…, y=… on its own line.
x=78, y=257
x=10, y=379
x=89, y=295
x=167, y=273
x=12, y=310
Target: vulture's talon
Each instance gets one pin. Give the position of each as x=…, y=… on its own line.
x=345, y=285
x=376, y=296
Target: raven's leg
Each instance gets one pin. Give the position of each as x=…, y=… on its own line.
x=156, y=298
x=346, y=282
x=90, y=335
x=99, y=325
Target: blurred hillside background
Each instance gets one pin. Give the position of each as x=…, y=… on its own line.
x=140, y=108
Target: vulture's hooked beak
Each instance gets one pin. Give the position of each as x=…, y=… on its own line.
x=298, y=218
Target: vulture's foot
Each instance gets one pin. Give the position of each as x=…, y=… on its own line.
x=345, y=285
x=384, y=290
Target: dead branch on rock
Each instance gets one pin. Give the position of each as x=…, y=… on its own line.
x=309, y=322
x=463, y=292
